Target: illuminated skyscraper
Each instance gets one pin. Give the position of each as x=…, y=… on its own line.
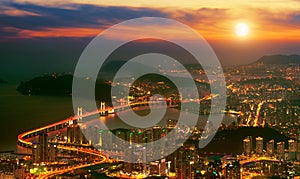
x=156, y=132
x=35, y=154
x=158, y=145
x=137, y=136
x=91, y=133
x=106, y=138
x=163, y=167
x=233, y=170
x=52, y=153
x=44, y=151
x=247, y=143
x=259, y=145
x=43, y=147
x=171, y=124
x=154, y=168
x=128, y=156
x=137, y=154
x=74, y=134
x=292, y=149
x=185, y=161
x=292, y=146
x=158, y=168
x=270, y=148
x=280, y=150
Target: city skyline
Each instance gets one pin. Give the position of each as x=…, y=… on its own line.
x=261, y=132
x=150, y=89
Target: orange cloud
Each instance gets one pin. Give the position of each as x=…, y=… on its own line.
x=177, y=4
x=56, y=32
x=212, y=23
x=219, y=24
x=274, y=25
x=9, y=11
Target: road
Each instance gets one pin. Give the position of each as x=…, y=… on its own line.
x=22, y=138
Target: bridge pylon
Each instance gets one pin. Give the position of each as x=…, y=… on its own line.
x=79, y=113
x=102, y=108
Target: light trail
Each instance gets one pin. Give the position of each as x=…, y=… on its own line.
x=257, y=159
x=62, y=171
x=104, y=158
x=23, y=136
x=257, y=113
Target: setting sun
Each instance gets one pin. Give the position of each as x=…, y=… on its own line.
x=242, y=29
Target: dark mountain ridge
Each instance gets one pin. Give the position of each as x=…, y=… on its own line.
x=279, y=59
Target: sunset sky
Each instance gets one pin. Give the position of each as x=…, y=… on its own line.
x=49, y=35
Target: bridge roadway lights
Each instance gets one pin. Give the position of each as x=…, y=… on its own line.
x=65, y=124
x=23, y=145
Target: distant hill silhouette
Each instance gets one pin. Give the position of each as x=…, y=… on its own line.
x=61, y=85
x=58, y=85
x=47, y=85
x=280, y=59
x=271, y=81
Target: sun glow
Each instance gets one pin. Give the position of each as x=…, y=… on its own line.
x=242, y=29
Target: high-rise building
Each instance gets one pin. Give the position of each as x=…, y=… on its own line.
x=122, y=135
x=233, y=170
x=129, y=156
x=158, y=168
x=147, y=135
x=280, y=150
x=52, y=153
x=247, y=144
x=156, y=132
x=43, y=151
x=259, y=145
x=163, y=167
x=292, y=146
x=137, y=154
x=43, y=148
x=74, y=134
x=157, y=144
x=35, y=154
x=137, y=136
x=154, y=168
x=171, y=124
x=292, y=149
x=270, y=148
x=106, y=138
x=185, y=161
x=91, y=133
